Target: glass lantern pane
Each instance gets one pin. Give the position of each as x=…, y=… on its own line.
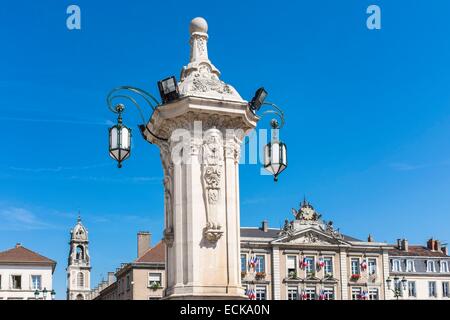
x=125, y=138
x=113, y=143
x=114, y=154
x=275, y=157
x=266, y=155
x=124, y=154
x=283, y=154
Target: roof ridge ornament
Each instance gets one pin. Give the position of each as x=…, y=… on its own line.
x=200, y=77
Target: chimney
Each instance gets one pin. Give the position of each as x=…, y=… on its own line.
x=437, y=244
x=370, y=238
x=18, y=245
x=111, y=278
x=399, y=244
x=265, y=226
x=430, y=244
x=445, y=250
x=144, y=239
x=405, y=245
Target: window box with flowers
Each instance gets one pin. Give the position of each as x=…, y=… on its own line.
x=292, y=275
x=155, y=286
x=328, y=276
x=355, y=277
x=260, y=275
x=311, y=274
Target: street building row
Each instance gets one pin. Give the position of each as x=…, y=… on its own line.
x=307, y=259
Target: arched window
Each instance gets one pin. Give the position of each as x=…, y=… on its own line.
x=79, y=253
x=80, y=280
x=80, y=297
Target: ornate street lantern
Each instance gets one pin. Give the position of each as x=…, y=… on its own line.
x=404, y=283
x=53, y=294
x=275, y=153
x=388, y=282
x=119, y=139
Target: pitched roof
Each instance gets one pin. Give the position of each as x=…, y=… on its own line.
x=416, y=251
x=20, y=254
x=259, y=233
x=157, y=254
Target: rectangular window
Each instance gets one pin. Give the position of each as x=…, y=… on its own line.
x=432, y=289
x=328, y=266
x=445, y=289
x=410, y=266
x=356, y=293
x=309, y=265
x=372, y=265
x=36, y=282
x=292, y=293
x=261, y=265
x=243, y=263
x=412, y=289
x=444, y=266
x=310, y=293
x=128, y=282
x=154, y=279
x=396, y=265
x=355, y=266
x=291, y=265
x=373, y=294
x=260, y=293
x=0, y=282
x=328, y=293
x=16, y=282
x=431, y=266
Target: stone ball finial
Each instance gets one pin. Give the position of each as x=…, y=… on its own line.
x=198, y=25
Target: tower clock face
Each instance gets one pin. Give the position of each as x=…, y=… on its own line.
x=308, y=213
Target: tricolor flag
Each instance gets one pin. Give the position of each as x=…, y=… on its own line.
x=303, y=263
x=253, y=262
x=364, y=264
x=251, y=294
x=320, y=263
x=322, y=295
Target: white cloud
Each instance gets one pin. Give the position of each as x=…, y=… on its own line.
x=14, y=218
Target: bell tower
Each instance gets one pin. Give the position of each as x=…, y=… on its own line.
x=79, y=264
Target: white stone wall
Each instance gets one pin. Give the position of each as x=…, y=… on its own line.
x=26, y=292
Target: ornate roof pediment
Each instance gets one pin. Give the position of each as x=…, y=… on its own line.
x=311, y=236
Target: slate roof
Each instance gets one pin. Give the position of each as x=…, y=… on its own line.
x=157, y=254
x=259, y=233
x=22, y=255
x=416, y=251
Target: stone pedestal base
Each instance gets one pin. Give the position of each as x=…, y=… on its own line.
x=206, y=293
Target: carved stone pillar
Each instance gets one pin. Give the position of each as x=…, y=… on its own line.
x=204, y=128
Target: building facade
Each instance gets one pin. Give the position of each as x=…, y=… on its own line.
x=309, y=259
x=141, y=279
x=79, y=264
x=425, y=270
x=25, y=275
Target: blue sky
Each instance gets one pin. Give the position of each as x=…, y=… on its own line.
x=368, y=116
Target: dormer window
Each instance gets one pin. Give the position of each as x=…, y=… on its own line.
x=396, y=265
x=444, y=266
x=410, y=266
x=431, y=266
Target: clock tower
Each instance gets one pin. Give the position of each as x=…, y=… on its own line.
x=79, y=264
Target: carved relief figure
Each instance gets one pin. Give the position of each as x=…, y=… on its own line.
x=212, y=180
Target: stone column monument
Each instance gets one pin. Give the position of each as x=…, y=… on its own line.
x=204, y=128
